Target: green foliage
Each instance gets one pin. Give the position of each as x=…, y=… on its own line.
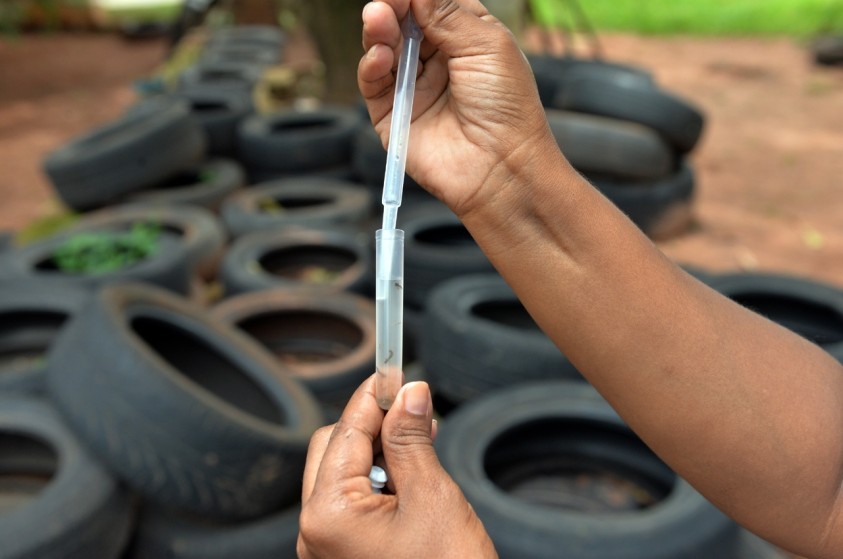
x=207, y=176
x=99, y=253
x=702, y=17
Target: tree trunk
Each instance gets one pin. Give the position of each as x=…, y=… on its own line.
x=247, y=12
x=337, y=29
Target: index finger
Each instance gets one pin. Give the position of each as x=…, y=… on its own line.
x=349, y=454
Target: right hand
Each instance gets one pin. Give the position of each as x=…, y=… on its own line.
x=477, y=118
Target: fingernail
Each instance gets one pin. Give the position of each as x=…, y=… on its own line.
x=371, y=53
x=417, y=398
x=366, y=8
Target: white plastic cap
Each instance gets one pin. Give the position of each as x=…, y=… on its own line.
x=377, y=476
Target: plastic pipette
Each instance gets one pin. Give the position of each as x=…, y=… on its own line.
x=389, y=241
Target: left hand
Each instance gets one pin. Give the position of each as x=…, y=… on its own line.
x=425, y=516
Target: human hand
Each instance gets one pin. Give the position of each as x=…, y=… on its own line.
x=477, y=118
x=426, y=514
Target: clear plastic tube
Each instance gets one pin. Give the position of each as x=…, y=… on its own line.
x=389, y=315
x=402, y=112
x=389, y=241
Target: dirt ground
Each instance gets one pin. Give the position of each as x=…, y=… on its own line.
x=770, y=166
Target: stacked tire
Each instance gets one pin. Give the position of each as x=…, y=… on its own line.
x=629, y=137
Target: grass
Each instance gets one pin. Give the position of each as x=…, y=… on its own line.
x=797, y=18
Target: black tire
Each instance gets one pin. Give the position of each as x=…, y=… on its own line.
x=437, y=247
x=625, y=150
x=189, y=412
x=170, y=267
x=31, y=316
x=810, y=308
x=166, y=535
x=343, y=173
x=679, y=122
x=661, y=208
x=828, y=50
x=221, y=74
x=198, y=229
x=219, y=111
x=156, y=139
x=327, y=343
x=324, y=261
x=267, y=36
x=369, y=164
x=295, y=141
x=205, y=185
x=7, y=239
x=82, y=513
x=478, y=337
x=240, y=54
x=297, y=202
x=611, y=497
x=552, y=72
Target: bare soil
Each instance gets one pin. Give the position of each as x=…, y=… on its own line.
x=769, y=166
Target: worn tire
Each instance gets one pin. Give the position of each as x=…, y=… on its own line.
x=594, y=144
x=437, y=247
x=198, y=229
x=679, y=122
x=273, y=259
x=205, y=185
x=219, y=111
x=221, y=74
x=240, y=54
x=369, y=164
x=268, y=36
x=828, y=50
x=810, y=308
x=343, y=173
x=166, y=535
x=82, y=513
x=303, y=202
x=327, y=343
x=170, y=267
x=189, y=412
x=477, y=337
x=553, y=72
x=156, y=139
x=32, y=315
x=295, y=141
x=506, y=450
x=661, y=208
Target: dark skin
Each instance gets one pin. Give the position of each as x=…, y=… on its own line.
x=746, y=411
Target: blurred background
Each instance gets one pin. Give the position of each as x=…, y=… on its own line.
x=769, y=164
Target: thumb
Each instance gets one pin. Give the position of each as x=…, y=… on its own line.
x=407, y=439
x=455, y=26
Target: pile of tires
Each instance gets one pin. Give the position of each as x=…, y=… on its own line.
x=162, y=408
x=624, y=133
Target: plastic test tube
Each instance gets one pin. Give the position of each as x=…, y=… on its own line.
x=389, y=315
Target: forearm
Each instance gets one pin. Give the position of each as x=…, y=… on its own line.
x=747, y=412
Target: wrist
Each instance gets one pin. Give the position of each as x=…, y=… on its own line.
x=520, y=195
